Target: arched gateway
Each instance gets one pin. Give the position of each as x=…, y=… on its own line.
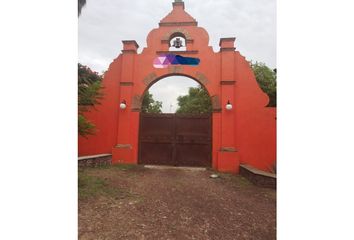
x=245, y=134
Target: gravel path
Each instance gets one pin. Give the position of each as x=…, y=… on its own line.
x=177, y=204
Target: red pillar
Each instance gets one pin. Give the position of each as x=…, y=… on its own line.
x=228, y=159
x=126, y=147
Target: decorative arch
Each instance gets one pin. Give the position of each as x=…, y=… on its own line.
x=176, y=32
x=243, y=135
x=193, y=77
x=158, y=78
x=153, y=78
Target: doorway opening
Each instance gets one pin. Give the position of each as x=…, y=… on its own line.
x=176, y=94
x=176, y=124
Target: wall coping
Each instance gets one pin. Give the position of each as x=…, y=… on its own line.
x=257, y=171
x=94, y=156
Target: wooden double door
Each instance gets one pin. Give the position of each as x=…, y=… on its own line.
x=175, y=139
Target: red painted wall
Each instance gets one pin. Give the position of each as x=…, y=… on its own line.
x=246, y=134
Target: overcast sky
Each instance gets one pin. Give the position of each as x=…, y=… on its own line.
x=103, y=25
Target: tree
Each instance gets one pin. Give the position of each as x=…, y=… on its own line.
x=149, y=105
x=81, y=4
x=197, y=101
x=267, y=80
x=89, y=94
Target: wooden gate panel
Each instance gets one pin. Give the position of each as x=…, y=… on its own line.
x=156, y=153
x=193, y=155
x=177, y=140
x=193, y=140
x=156, y=139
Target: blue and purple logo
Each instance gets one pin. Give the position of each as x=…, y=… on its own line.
x=163, y=61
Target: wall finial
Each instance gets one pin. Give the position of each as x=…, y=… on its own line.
x=178, y=3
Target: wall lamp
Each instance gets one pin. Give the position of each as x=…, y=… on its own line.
x=123, y=105
x=228, y=105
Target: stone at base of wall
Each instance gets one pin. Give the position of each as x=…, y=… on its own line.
x=95, y=160
x=258, y=177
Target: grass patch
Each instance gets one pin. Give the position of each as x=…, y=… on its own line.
x=243, y=182
x=124, y=167
x=91, y=186
x=238, y=180
x=119, y=166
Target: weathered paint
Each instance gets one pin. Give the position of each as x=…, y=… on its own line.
x=244, y=135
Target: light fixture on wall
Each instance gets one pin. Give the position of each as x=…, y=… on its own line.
x=123, y=105
x=228, y=105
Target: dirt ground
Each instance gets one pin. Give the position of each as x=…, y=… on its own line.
x=140, y=203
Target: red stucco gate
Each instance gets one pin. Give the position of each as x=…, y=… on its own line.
x=244, y=134
x=175, y=139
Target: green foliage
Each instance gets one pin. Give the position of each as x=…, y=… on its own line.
x=124, y=166
x=91, y=186
x=89, y=86
x=149, y=105
x=197, y=101
x=89, y=94
x=81, y=4
x=85, y=127
x=267, y=80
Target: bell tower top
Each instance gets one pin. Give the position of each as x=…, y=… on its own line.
x=177, y=3
x=178, y=16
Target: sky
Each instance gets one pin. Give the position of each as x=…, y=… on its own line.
x=168, y=89
x=103, y=25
